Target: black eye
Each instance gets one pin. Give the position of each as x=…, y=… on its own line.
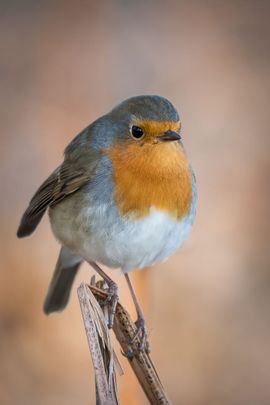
x=137, y=132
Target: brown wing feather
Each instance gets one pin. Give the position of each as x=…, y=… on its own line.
x=59, y=184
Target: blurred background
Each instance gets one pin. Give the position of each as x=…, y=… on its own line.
x=65, y=63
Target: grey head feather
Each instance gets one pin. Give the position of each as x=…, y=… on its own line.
x=147, y=107
x=115, y=124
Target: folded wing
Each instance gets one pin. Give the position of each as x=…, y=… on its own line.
x=61, y=183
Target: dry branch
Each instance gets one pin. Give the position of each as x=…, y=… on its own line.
x=125, y=330
x=100, y=347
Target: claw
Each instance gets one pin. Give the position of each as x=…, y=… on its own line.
x=113, y=299
x=141, y=335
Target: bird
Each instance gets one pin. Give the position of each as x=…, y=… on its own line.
x=124, y=197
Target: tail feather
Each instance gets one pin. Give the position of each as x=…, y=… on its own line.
x=65, y=272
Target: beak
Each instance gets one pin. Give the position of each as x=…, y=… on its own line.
x=169, y=136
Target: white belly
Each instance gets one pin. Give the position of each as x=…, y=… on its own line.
x=98, y=235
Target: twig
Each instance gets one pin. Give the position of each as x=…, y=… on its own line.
x=125, y=330
x=100, y=347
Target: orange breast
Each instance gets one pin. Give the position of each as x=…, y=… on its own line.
x=151, y=176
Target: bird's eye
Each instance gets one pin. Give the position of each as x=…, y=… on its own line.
x=137, y=132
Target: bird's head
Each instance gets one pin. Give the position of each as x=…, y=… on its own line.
x=146, y=120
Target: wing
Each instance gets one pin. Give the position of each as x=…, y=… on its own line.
x=62, y=182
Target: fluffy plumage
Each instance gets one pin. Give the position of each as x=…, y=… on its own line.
x=156, y=176
x=116, y=200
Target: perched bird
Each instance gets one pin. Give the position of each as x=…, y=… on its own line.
x=124, y=196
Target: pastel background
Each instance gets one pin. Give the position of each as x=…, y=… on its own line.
x=63, y=64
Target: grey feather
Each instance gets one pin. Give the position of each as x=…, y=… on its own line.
x=67, y=267
x=66, y=179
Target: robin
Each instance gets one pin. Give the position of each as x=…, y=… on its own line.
x=124, y=196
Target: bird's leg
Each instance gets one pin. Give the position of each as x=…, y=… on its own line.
x=112, y=292
x=140, y=322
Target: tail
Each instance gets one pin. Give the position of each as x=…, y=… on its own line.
x=64, y=274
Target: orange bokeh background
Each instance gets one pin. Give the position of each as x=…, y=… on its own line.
x=65, y=63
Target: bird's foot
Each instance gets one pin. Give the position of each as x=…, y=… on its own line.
x=139, y=341
x=112, y=299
